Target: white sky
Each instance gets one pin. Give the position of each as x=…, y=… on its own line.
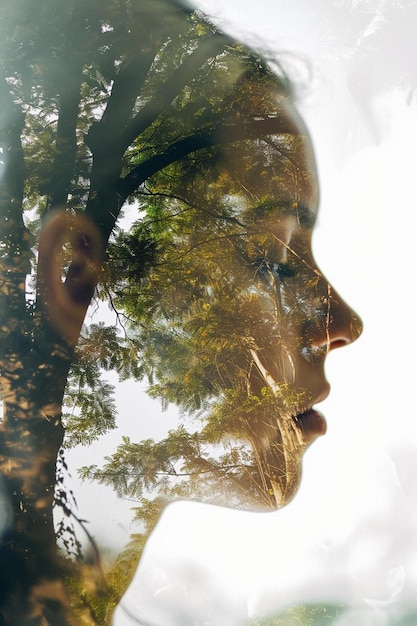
x=365, y=139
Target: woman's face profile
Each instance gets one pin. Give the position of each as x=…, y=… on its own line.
x=264, y=317
x=299, y=316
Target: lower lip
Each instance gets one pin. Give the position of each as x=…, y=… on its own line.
x=312, y=423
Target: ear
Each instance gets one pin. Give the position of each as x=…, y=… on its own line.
x=69, y=261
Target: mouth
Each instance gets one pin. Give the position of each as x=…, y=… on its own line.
x=311, y=423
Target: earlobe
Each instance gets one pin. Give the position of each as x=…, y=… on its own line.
x=70, y=257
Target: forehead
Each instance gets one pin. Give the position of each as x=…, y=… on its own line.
x=274, y=178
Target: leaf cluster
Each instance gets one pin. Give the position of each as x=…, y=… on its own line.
x=184, y=465
x=90, y=399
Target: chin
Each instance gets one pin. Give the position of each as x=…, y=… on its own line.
x=280, y=457
x=283, y=463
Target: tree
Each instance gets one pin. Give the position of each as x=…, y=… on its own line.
x=96, y=98
x=202, y=309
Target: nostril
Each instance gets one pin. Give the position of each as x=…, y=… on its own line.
x=337, y=343
x=333, y=326
x=343, y=325
x=344, y=329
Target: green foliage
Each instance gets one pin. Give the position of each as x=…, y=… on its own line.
x=184, y=465
x=90, y=398
x=106, y=103
x=93, y=598
x=97, y=413
x=308, y=615
x=104, y=347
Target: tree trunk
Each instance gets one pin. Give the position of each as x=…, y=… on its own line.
x=31, y=434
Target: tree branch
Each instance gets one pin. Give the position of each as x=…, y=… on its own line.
x=220, y=134
x=105, y=135
x=62, y=169
x=209, y=47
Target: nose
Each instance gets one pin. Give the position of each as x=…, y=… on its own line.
x=342, y=324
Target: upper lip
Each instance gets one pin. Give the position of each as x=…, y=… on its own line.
x=319, y=398
x=323, y=394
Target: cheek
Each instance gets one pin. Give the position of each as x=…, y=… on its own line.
x=288, y=323
x=291, y=304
